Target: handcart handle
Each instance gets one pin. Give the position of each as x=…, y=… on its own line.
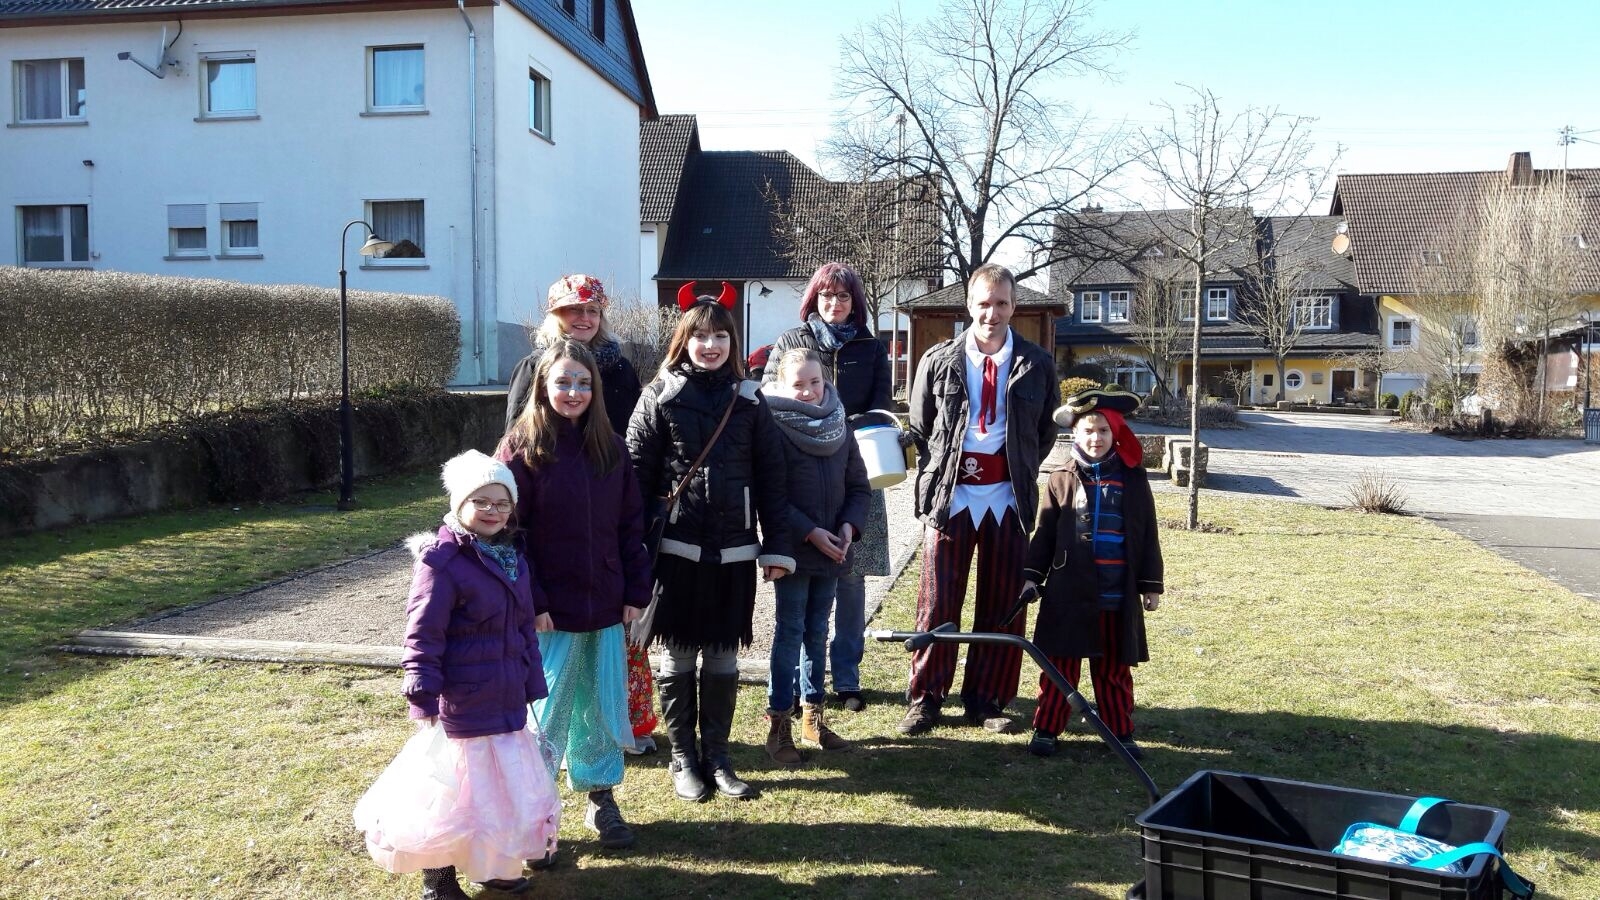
x=947, y=634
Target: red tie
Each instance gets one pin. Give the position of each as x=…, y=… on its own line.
x=986, y=401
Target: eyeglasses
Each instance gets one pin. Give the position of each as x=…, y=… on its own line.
x=834, y=295
x=484, y=504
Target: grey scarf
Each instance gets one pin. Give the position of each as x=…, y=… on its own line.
x=817, y=429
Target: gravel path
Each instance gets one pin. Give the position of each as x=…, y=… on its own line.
x=362, y=600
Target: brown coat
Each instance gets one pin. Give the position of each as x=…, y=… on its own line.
x=1062, y=564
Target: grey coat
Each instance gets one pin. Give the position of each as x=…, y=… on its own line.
x=824, y=492
x=939, y=422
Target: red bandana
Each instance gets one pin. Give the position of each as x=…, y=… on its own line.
x=1123, y=439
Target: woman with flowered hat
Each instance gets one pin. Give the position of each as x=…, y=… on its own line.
x=575, y=309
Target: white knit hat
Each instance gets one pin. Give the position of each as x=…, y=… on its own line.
x=464, y=474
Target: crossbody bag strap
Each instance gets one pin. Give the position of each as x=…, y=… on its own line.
x=672, y=499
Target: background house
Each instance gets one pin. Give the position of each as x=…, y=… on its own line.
x=746, y=217
x=1115, y=287
x=498, y=145
x=1412, y=239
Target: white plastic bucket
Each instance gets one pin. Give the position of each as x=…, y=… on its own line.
x=880, y=451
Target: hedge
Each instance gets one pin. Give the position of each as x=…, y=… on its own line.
x=87, y=354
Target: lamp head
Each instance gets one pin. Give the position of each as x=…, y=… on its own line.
x=375, y=246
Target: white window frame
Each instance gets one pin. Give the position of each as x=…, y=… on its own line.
x=373, y=108
x=416, y=262
x=1088, y=300
x=64, y=75
x=541, y=89
x=1388, y=333
x=68, y=248
x=183, y=217
x=1467, y=327
x=1214, y=294
x=1306, y=309
x=226, y=248
x=1112, y=299
x=1186, y=304
x=232, y=56
x=1291, y=375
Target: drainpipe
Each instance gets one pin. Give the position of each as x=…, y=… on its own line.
x=481, y=376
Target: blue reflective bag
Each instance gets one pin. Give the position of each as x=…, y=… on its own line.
x=1402, y=845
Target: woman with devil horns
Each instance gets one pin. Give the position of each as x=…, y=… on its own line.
x=710, y=463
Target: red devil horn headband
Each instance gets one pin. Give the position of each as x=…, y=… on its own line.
x=688, y=298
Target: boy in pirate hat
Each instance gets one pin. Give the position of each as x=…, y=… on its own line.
x=1096, y=557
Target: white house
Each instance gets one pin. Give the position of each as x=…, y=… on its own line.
x=706, y=216
x=220, y=139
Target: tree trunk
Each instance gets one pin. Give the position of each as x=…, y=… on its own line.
x=1193, y=520
x=1281, y=368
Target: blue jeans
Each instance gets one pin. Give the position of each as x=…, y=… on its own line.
x=849, y=640
x=801, y=638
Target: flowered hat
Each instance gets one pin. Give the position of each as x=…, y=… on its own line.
x=575, y=290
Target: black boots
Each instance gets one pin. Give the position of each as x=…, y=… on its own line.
x=441, y=884
x=678, y=708
x=718, y=694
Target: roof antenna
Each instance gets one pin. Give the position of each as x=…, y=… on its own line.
x=162, y=61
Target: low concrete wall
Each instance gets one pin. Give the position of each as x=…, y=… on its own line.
x=244, y=457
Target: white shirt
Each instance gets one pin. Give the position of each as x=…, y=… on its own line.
x=985, y=499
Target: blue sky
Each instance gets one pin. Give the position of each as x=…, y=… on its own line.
x=1404, y=85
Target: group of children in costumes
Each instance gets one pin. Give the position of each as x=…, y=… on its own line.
x=544, y=581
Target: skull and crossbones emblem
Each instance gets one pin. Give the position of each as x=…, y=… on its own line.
x=970, y=469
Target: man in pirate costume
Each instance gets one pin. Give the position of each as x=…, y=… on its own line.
x=981, y=416
x=1097, y=555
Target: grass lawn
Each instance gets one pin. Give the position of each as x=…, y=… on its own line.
x=1326, y=646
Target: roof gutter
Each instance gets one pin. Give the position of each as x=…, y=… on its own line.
x=480, y=376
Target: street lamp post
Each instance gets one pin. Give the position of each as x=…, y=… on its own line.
x=374, y=246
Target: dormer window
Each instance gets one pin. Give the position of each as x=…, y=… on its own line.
x=1089, y=309
x=1216, y=304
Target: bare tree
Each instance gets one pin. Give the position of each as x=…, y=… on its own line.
x=972, y=93
x=1279, y=287
x=887, y=230
x=1157, y=330
x=1220, y=168
x=1374, y=364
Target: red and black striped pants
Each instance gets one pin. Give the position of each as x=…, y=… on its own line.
x=992, y=672
x=1113, y=686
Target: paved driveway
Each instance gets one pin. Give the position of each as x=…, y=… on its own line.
x=1534, y=501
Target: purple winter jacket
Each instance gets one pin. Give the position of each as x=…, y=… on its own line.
x=583, y=535
x=470, y=657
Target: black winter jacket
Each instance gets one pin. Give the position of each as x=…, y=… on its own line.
x=741, y=481
x=939, y=422
x=618, y=384
x=825, y=492
x=858, y=368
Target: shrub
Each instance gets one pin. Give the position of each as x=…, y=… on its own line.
x=1092, y=371
x=1388, y=400
x=1374, y=491
x=1216, y=413
x=1070, y=386
x=1408, y=403
x=86, y=354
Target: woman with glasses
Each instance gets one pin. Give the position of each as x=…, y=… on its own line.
x=583, y=533
x=576, y=310
x=834, y=312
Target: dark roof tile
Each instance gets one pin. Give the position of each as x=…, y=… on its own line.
x=665, y=146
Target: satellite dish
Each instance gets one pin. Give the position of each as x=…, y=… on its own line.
x=1341, y=244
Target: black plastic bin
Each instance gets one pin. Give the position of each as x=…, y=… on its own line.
x=1228, y=836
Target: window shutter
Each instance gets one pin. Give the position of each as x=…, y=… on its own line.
x=235, y=212
x=186, y=215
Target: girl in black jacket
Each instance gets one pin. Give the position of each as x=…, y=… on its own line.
x=707, y=557
x=828, y=495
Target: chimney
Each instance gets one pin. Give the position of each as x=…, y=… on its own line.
x=1095, y=208
x=1519, y=170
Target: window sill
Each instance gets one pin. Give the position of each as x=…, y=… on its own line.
x=243, y=117
x=49, y=123
x=543, y=136
x=419, y=264
x=241, y=256
x=385, y=113
x=186, y=258
x=58, y=265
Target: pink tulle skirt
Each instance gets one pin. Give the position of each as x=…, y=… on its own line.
x=480, y=804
